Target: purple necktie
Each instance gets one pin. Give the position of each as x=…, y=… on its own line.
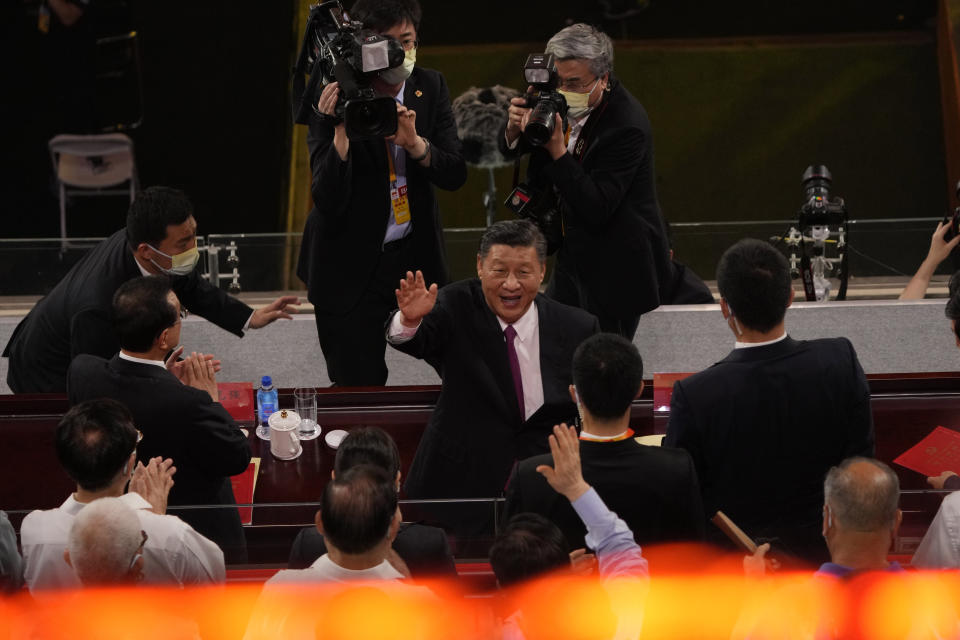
x=510, y=333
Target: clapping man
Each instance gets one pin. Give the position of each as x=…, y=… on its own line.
x=180, y=418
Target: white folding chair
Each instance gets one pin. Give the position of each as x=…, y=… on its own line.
x=92, y=165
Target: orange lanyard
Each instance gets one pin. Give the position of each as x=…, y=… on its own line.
x=393, y=170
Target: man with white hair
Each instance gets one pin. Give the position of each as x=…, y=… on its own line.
x=860, y=516
x=96, y=444
x=597, y=172
x=106, y=543
x=860, y=519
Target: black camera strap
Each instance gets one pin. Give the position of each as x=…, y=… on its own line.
x=843, y=273
x=806, y=272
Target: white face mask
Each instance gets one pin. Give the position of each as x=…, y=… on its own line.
x=401, y=73
x=578, y=104
x=182, y=263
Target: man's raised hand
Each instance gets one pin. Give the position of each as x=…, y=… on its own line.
x=565, y=475
x=414, y=299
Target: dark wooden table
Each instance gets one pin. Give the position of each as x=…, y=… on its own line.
x=906, y=407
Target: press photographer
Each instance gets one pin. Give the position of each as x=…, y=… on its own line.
x=375, y=215
x=593, y=174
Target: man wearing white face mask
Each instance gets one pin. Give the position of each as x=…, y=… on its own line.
x=76, y=317
x=598, y=167
x=375, y=215
x=765, y=424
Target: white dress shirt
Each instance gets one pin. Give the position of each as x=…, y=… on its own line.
x=750, y=345
x=576, y=128
x=527, y=344
x=940, y=547
x=129, y=358
x=285, y=610
x=173, y=554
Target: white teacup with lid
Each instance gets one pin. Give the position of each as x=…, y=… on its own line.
x=284, y=443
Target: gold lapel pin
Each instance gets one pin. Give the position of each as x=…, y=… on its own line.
x=418, y=93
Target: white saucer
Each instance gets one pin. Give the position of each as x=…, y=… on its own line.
x=334, y=438
x=310, y=436
x=293, y=457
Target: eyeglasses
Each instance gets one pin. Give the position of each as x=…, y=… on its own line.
x=139, y=552
x=576, y=85
x=409, y=44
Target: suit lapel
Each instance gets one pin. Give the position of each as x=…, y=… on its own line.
x=552, y=347
x=415, y=98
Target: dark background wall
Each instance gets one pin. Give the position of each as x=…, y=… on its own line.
x=742, y=97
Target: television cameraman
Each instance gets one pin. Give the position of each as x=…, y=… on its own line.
x=613, y=255
x=375, y=215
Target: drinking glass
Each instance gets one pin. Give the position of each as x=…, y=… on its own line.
x=306, y=408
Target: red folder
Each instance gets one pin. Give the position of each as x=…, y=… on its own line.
x=663, y=389
x=938, y=452
x=243, y=486
x=237, y=399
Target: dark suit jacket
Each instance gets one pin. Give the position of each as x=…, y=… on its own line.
x=653, y=489
x=425, y=550
x=181, y=423
x=615, y=242
x=476, y=432
x=77, y=317
x=344, y=233
x=686, y=287
x=764, y=425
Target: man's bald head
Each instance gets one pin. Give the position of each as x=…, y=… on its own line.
x=862, y=495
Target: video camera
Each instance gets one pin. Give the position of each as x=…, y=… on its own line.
x=540, y=72
x=337, y=49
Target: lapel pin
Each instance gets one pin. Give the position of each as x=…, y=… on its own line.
x=418, y=93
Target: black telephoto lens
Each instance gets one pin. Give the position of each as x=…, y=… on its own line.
x=541, y=124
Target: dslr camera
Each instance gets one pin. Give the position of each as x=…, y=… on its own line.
x=337, y=49
x=540, y=72
x=819, y=210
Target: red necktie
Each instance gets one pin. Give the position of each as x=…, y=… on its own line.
x=510, y=333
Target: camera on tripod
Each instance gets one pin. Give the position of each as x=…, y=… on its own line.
x=819, y=210
x=540, y=72
x=337, y=49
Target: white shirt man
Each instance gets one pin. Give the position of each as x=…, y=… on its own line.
x=173, y=554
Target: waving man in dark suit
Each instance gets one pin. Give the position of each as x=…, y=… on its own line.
x=504, y=352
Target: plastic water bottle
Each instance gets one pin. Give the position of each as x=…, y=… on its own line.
x=266, y=404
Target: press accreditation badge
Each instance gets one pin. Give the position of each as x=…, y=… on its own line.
x=401, y=207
